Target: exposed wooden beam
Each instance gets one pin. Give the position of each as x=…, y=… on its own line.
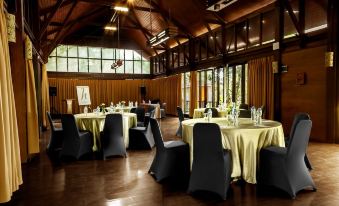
x=171, y=19
x=50, y=9
x=53, y=23
x=49, y=18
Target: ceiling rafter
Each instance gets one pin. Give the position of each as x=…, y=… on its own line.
x=49, y=18
x=167, y=18
x=47, y=10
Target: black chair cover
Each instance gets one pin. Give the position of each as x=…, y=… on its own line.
x=56, y=139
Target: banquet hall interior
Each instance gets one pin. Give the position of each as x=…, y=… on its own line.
x=155, y=102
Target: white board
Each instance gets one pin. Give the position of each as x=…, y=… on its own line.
x=84, y=97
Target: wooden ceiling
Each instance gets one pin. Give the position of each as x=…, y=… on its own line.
x=82, y=21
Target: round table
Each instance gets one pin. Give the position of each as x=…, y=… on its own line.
x=244, y=141
x=120, y=109
x=199, y=113
x=95, y=124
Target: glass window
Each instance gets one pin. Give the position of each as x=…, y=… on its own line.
x=268, y=27
x=51, y=65
x=53, y=53
x=128, y=54
x=241, y=35
x=94, y=52
x=211, y=46
x=62, y=51
x=83, y=65
x=203, y=48
x=136, y=55
x=72, y=65
x=137, y=67
x=238, y=93
x=182, y=56
x=289, y=28
x=94, y=66
x=230, y=39
x=106, y=66
x=315, y=15
x=209, y=86
x=146, y=67
x=61, y=64
x=120, y=70
x=83, y=52
x=254, y=31
x=120, y=54
x=229, y=84
x=72, y=51
x=108, y=53
x=129, y=67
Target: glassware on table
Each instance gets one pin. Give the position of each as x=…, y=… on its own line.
x=259, y=116
x=253, y=113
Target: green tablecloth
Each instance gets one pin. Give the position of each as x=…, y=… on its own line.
x=244, y=141
x=199, y=113
x=95, y=124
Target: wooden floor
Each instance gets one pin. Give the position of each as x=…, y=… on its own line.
x=125, y=181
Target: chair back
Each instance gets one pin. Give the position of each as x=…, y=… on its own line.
x=157, y=135
x=298, y=144
x=140, y=111
x=150, y=108
x=180, y=114
x=132, y=110
x=214, y=111
x=207, y=144
x=50, y=121
x=244, y=113
x=71, y=132
x=297, y=118
x=113, y=126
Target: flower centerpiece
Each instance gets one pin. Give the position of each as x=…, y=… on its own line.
x=123, y=103
x=102, y=107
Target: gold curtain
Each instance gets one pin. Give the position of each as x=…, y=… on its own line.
x=10, y=163
x=44, y=96
x=261, y=84
x=31, y=102
x=193, y=92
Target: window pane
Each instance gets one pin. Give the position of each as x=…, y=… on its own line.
x=209, y=86
x=129, y=67
x=120, y=69
x=94, y=65
x=62, y=51
x=230, y=39
x=107, y=53
x=211, y=46
x=203, y=48
x=238, y=84
x=221, y=85
x=146, y=67
x=268, y=30
x=254, y=31
x=72, y=51
x=137, y=67
x=128, y=54
x=175, y=58
x=241, y=36
x=246, y=79
x=72, y=65
x=83, y=65
x=202, y=89
x=182, y=56
x=106, y=66
x=229, y=84
x=120, y=54
x=94, y=52
x=315, y=15
x=83, y=52
x=51, y=65
x=137, y=55
x=53, y=52
x=62, y=64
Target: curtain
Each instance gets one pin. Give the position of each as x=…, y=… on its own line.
x=44, y=96
x=10, y=163
x=193, y=92
x=106, y=91
x=31, y=102
x=261, y=85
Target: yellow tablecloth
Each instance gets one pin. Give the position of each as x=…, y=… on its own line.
x=95, y=124
x=244, y=141
x=199, y=113
x=119, y=109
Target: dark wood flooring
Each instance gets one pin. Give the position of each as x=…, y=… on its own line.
x=125, y=181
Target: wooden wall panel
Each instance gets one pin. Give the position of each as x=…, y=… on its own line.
x=310, y=97
x=106, y=91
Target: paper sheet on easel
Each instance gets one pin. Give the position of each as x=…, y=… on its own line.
x=84, y=97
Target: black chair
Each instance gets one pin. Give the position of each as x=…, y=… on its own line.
x=181, y=118
x=214, y=111
x=112, y=138
x=133, y=110
x=297, y=118
x=76, y=143
x=56, y=139
x=244, y=113
x=244, y=106
x=284, y=167
x=140, y=111
x=171, y=158
x=141, y=137
x=212, y=165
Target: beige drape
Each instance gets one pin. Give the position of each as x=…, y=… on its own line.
x=32, y=110
x=261, y=84
x=44, y=96
x=10, y=163
x=193, y=92
x=106, y=91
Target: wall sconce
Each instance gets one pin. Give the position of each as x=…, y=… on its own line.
x=329, y=59
x=11, y=27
